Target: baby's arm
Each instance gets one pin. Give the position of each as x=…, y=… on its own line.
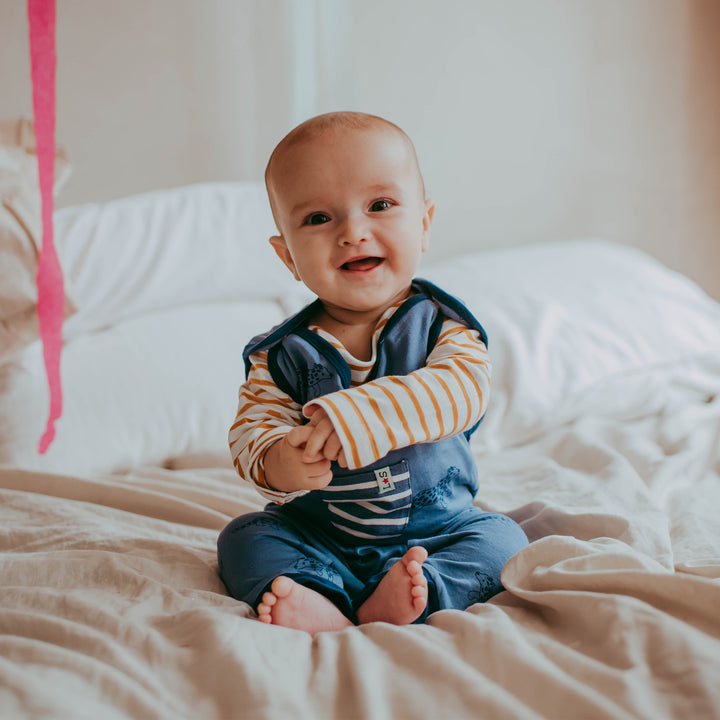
x=446, y=397
x=267, y=439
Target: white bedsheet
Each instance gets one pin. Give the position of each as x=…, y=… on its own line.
x=111, y=606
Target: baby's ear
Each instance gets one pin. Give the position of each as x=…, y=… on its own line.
x=281, y=249
x=427, y=222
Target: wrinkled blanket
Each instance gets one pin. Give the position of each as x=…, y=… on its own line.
x=111, y=606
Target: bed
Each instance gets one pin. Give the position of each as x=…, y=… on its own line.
x=602, y=440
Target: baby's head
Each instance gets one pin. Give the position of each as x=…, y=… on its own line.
x=349, y=201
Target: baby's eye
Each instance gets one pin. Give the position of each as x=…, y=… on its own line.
x=380, y=205
x=316, y=219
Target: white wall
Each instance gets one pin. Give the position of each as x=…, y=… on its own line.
x=155, y=94
x=534, y=120
x=543, y=120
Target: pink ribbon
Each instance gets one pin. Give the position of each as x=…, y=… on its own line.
x=51, y=295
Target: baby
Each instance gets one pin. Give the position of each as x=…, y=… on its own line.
x=355, y=416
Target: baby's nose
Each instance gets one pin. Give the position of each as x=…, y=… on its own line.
x=352, y=231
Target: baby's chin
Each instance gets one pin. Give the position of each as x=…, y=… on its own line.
x=365, y=302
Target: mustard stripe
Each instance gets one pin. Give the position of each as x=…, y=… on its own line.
x=346, y=431
x=262, y=396
x=466, y=358
x=260, y=479
x=360, y=368
x=383, y=422
x=275, y=401
x=413, y=399
x=400, y=414
x=468, y=403
x=444, y=386
x=263, y=438
x=263, y=383
x=376, y=454
x=445, y=334
x=474, y=383
x=433, y=400
x=250, y=404
x=466, y=333
x=469, y=332
x=451, y=327
x=470, y=360
x=275, y=414
x=477, y=349
x=241, y=421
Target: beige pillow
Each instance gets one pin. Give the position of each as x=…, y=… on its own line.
x=21, y=233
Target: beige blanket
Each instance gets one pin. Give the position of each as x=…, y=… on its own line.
x=111, y=606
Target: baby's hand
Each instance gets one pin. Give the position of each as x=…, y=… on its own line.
x=287, y=470
x=321, y=441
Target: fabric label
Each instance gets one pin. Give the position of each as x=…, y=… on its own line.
x=383, y=476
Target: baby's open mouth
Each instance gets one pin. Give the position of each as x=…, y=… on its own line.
x=362, y=264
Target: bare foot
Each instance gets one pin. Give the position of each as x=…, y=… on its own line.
x=402, y=594
x=293, y=605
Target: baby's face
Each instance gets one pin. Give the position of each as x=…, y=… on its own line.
x=353, y=220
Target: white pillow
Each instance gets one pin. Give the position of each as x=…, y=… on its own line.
x=177, y=281
x=164, y=249
x=582, y=327
x=144, y=391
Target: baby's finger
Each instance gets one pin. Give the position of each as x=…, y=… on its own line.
x=315, y=414
x=342, y=460
x=332, y=447
x=310, y=410
x=298, y=436
x=316, y=441
x=320, y=473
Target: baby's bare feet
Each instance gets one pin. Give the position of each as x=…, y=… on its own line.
x=402, y=594
x=293, y=605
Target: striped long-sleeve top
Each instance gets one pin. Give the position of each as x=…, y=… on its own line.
x=445, y=397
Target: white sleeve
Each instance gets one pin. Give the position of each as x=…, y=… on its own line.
x=265, y=415
x=445, y=397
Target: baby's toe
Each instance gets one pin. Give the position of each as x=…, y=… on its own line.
x=282, y=586
x=418, y=591
x=417, y=554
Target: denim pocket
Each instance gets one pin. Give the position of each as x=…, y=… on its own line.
x=371, y=503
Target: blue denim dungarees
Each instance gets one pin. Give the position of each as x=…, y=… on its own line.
x=342, y=539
